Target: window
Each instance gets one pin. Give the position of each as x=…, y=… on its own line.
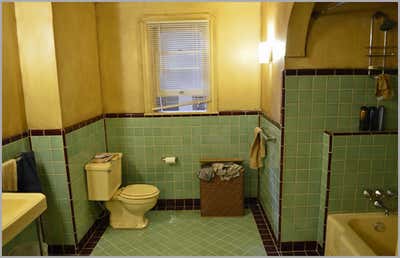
x=177, y=65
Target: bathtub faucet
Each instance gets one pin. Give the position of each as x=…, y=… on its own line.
x=379, y=204
x=377, y=196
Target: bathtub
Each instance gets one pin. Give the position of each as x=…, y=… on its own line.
x=361, y=234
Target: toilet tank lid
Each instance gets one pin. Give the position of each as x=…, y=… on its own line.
x=102, y=166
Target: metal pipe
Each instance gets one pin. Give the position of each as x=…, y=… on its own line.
x=39, y=234
x=384, y=51
x=371, y=38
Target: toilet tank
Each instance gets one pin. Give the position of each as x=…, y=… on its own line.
x=103, y=179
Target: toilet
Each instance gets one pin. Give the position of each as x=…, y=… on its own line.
x=127, y=205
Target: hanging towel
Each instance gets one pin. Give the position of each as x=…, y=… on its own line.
x=383, y=88
x=257, y=149
x=28, y=179
x=9, y=176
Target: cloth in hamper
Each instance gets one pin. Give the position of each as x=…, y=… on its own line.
x=225, y=171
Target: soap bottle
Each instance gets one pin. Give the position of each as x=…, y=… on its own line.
x=381, y=113
x=373, y=118
x=364, y=118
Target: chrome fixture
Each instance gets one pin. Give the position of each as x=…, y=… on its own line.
x=368, y=194
x=377, y=196
x=266, y=136
x=373, y=51
x=379, y=204
x=389, y=193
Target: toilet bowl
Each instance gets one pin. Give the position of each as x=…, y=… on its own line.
x=129, y=205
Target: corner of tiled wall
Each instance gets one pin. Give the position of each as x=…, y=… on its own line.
x=82, y=144
x=57, y=222
x=314, y=103
x=270, y=175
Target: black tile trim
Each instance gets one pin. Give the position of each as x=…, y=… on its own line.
x=114, y=115
x=82, y=123
x=338, y=71
x=264, y=228
x=333, y=133
x=320, y=248
x=188, y=204
x=54, y=250
x=282, y=152
x=15, y=138
x=221, y=113
x=274, y=247
x=88, y=242
x=294, y=246
x=177, y=204
x=94, y=234
x=70, y=190
x=45, y=132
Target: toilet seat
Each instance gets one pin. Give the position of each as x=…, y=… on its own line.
x=139, y=191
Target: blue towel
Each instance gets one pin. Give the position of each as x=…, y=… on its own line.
x=28, y=179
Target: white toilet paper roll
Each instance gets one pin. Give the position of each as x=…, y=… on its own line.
x=170, y=160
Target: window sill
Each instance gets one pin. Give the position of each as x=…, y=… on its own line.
x=180, y=113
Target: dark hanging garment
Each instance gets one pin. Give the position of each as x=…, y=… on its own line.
x=28, y=179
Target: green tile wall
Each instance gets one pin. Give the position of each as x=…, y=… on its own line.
x=270, y=175
x=359, y=162
x=144, y=141
x=314, y=104
x=324, y=174
x=10, y=150
x=82, y=144
x=50, y=162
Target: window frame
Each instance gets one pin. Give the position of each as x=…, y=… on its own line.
x=149, y=78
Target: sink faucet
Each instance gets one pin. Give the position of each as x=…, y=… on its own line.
x=377, y=197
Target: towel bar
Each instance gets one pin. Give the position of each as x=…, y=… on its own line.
x=267, y=137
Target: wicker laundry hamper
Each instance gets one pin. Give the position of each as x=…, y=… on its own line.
x=219, y=197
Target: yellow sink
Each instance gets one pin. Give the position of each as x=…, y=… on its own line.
x=18, y=211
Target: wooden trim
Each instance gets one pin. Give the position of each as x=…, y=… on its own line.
x=336, y=71
x=15, y=138
x=212, y=160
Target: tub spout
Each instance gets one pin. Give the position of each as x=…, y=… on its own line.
x=379, y=204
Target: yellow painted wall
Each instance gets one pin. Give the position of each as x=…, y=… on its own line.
x=338, y=39
x=77, y=61
x=14, y=119
x=274, y=23
x=237, y=38
x=38, y=64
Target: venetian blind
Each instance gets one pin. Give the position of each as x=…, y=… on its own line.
x=180, y=53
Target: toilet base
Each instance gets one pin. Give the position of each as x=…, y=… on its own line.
x=129, y=215
x=118, y=224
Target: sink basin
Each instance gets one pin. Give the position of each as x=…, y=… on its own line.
x=18, y=211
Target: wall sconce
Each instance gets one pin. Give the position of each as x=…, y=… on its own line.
x=264, y=53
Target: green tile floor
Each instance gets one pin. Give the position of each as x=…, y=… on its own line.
x=185, y=233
